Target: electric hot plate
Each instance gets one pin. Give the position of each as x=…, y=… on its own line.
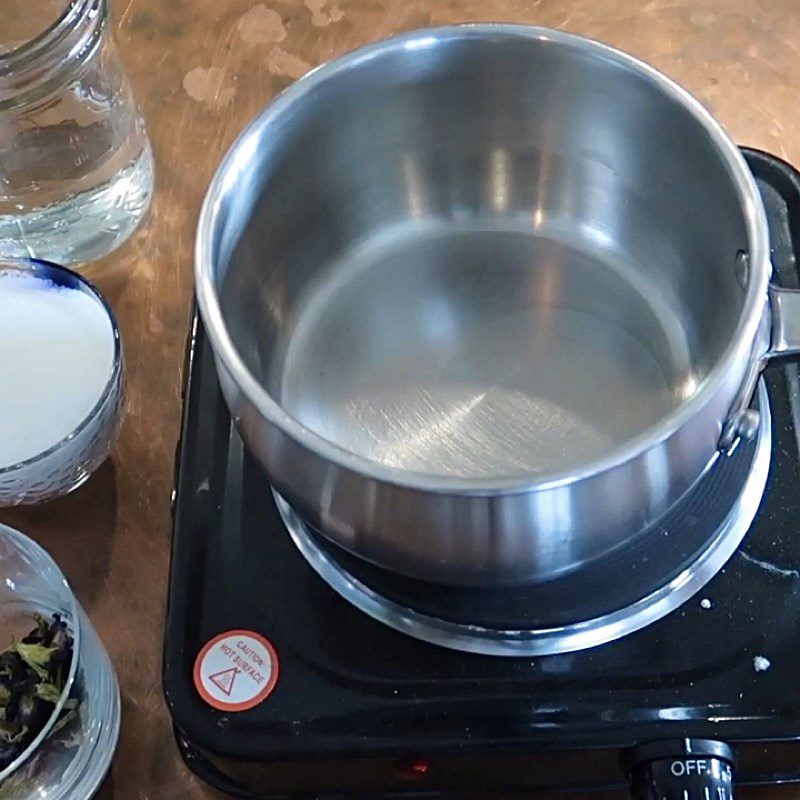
x=363, y=683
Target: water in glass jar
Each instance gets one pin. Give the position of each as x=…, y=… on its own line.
x=76, y=168
x=83, y=218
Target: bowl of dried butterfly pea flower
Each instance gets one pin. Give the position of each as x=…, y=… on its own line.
x=59, y=697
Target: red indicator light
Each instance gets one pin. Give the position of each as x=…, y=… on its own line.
x=412, y=768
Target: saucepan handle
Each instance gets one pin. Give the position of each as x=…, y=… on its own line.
x=784, y=340
x=780, y=332
x=785, y=308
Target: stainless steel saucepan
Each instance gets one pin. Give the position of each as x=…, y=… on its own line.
x=486, y=300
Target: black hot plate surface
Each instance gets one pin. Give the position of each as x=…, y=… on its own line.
x=356, y=702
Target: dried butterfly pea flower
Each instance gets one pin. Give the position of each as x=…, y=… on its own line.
x=33, y=676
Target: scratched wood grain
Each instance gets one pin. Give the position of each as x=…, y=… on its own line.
x=201, y=69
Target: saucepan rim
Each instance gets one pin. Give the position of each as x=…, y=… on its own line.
x=235, y=164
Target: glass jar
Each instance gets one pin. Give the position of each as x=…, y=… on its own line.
x=76, y=168
x=70, y=756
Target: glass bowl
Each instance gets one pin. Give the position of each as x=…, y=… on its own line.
x=65, y=465
x=70, y=762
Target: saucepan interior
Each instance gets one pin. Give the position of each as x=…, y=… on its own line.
x=497, y=257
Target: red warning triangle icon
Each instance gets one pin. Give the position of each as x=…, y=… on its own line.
x=224, y=680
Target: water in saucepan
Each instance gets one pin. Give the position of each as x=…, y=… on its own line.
x=481, y=354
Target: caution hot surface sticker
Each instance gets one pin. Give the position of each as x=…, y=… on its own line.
x=236, y=670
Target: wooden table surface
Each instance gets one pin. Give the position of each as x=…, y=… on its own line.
x=201, y=70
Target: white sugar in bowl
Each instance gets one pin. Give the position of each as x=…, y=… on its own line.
x=61, y=381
